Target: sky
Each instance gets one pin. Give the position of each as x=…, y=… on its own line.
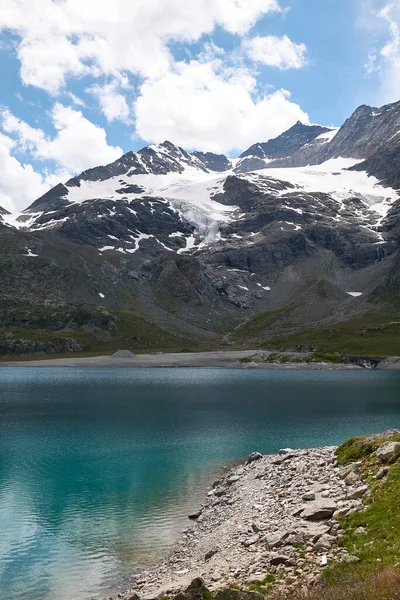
x=83, y=81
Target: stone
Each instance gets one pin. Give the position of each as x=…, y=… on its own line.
x=341, y=512
x=326, y=494
x=309, y=496
x=358, y=493
x=351, y=479
x=349, y=558
x=319, y=511
x=387, y=451
x=233, y=479
x=253, y=457
x=210, y=554
x=382, y=473
x=324, y=543
x=344, y=471
x=280, y=559
x=360, y=531
x=134, y=597
x=276, y=538
x=194, y=516
x=250, y=541
x=284, y=451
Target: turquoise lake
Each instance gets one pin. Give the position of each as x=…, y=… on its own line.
x=99, y=468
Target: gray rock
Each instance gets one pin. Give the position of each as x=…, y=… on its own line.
x=350, y=468
x=352, y=478
x=349, y=558
x=358, y=493
x=251, y=541
x=325, y=542
x=382, y=472
x=284, y=451
x=276, y=539
x=232, y=479
x=280, y=559
x=319, y=511
x=309, y=496
x=253, y=457
x=361, y=531
x=388, y=450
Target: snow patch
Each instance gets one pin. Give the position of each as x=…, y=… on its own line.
x=101, y=295
x=30, y=253
x=354, y=294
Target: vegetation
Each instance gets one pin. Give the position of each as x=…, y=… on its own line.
x=374, y=335
x=377, y=544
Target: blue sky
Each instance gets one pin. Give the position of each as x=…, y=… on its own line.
x=83, y=82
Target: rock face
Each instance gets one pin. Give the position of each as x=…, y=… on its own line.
x=287, y=143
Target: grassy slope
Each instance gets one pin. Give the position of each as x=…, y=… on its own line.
x=375, y=334
x=377, y=575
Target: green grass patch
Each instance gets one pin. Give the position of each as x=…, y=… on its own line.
x=375, y=335
x=358, y=448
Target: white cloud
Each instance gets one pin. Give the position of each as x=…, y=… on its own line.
x=19, y=183
x=78, y=144
x=276, y=52
x=73, y=38
x=112, y=103
x=203, y=105
x=382, y=20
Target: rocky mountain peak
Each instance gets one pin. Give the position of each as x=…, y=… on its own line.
x=287, y=143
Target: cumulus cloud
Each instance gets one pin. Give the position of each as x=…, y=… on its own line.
x=382, y=19
x=113, y=104
x=74, y=38
x=19, y=183
x=201, y=105
x=276, y=52
x=77, y=144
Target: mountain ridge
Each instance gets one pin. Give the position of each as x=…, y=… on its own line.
x=195, y=244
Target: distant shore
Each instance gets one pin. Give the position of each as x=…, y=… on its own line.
x=234, y=359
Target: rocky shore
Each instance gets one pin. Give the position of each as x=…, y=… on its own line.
x=274, y=519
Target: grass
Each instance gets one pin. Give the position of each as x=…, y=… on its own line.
x=375, y=335
x=378, y=584
x=377, y=575
x=359, y=448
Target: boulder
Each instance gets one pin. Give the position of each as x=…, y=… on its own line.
x=351, y=479
x=358, y=493
x=319, y=511
x=350, y=468
x=250, y=541
x=324, y=543
x=284, y=451
x=280, y=559
x=277, y=538
x=309, y=496
x=388, y=450
x=253, y=457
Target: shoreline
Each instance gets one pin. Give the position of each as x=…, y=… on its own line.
x=232, y=359
x=273, y=515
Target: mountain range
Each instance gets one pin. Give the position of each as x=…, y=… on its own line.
x=169, y=249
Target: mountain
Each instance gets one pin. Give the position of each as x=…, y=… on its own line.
x=371, y=135
x=165, y=248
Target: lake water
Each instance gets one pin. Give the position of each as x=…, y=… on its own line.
x=100, y=467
